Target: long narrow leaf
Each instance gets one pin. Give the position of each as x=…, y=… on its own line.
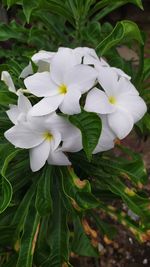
x=28, y=240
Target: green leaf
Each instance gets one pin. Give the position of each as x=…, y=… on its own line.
x=6, y=193
x=5, y=123
x=104, y=228
x=109, y=180
x=90, y=126
x=73, y=8
x=12, y=31
x=6, y=234
x=92, y=33
x=144, y=124
x=6, y=188
x=21, y=167
x=21, y=212
x=54, y=24
x=11, y=3
x=137, y=3
x=58, y=236
x=5, y=150
x=108, y=6
x=7, y=98
x=43, y=198
x=122, y=31
x=11, y=262
x=135, y=202
x=132, y=169
x=81, y=243
x=58, y=7
x=42, y=237
x=29, y=237
x=28, y=7
x=146, y=71
x=78, y=191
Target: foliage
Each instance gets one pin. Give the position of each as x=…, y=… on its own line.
x=49, y=214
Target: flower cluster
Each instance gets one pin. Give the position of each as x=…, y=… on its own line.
x=63, y=81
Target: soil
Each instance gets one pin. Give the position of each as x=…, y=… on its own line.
x=125, y=251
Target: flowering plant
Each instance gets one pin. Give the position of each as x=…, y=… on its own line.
x=66, y=79
x=63, y=116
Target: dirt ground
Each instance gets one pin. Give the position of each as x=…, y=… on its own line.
x=124, y=252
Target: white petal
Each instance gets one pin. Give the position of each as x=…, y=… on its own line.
x=107, y=137
x=43, y=59
x=103, y=62
x=61, y=63
x=121, y=122
x=81, y=77
x=72, y=144
x=43, y=66
x=40, y=84
x=134, y=104
x=70, y=135
x=72, y=139
x=98, y=102
x=55, y=122
x=81, y=52
x=26, y=71
x=58, y=158
x=46, y=105
x=39, y=155
x=43, y=56
x=89, y=60
x=13, y=113
x=125, y=87
x=5, y=76
x=121, y=73
x=70, y=104
x=19, y=113
x=115, y=84
x=85, y=51
x=108, y=79
x=47, y=123
x=54, y=143
x=24, y=104
x=36, y=124
x=23, y=137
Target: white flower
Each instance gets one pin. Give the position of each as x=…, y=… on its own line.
x=85, y=53
x=98, y=63
x=43, y=136
x=80, y=53
x=19, y=113
x=90, y=57
x=42, y=59
x=63, y=86
x=6, y=78
x=107, y=137
x=119, y=100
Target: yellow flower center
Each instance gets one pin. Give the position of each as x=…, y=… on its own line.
x=48, y=136
x=112, y=100
x=62, y=89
